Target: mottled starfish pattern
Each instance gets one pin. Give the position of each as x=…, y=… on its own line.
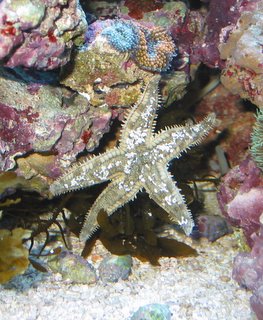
x=140, y=161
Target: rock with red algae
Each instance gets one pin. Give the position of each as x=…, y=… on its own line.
x=39, y=34
x=242, y=52
x=199, y=33
x=237, y=143
x=248, y=271
x=235, y=121
x=221, y=19
x=46, y=119
x=240, y=197
x=137, y=11
x=221, y=15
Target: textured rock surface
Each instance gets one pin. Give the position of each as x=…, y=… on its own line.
x=114, y=268
x=256, y=302
x=73, y=268
x=153, y=311
x=98, y=68
x=115, y=79
x=248, y=271
x=39, y=34
x=235, y=123
x=48, y=118
x=242, y=53
x=241, y=197
x=211, y=227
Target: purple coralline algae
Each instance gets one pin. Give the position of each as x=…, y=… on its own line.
x=39, y=34
x=241, y=201
x=248, y=271
x=47, y=118
x=223, y=14
x=196, y=33
x=242, y=54
x=217, y=26
x=234, y=119
x=240, y=197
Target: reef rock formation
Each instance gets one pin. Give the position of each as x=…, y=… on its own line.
x=39, y=34
x=242, y=53
x=241, y=197
x=41, y=118
x=248, y=271
x=236, y=122
x=118, y=54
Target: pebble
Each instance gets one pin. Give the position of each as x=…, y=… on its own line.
x=73, y=267
x=211, y=227
x=113, y=268
x=154, y=311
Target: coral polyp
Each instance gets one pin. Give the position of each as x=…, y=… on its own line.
x=122, y=35
x=156, y=49
x=151, y=48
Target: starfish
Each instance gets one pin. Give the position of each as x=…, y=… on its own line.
x=139, y=161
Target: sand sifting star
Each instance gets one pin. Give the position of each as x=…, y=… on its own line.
x=140, y=161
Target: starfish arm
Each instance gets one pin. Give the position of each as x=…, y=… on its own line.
x=89, y=172
x=115, y=195
x=170, y=143
x=141, y=119
x=163, y=190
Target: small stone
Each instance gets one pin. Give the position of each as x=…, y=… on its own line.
x=154, y=311
x=114, y=268
x=211, y=227
x=225, y=278
x=73, y=267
